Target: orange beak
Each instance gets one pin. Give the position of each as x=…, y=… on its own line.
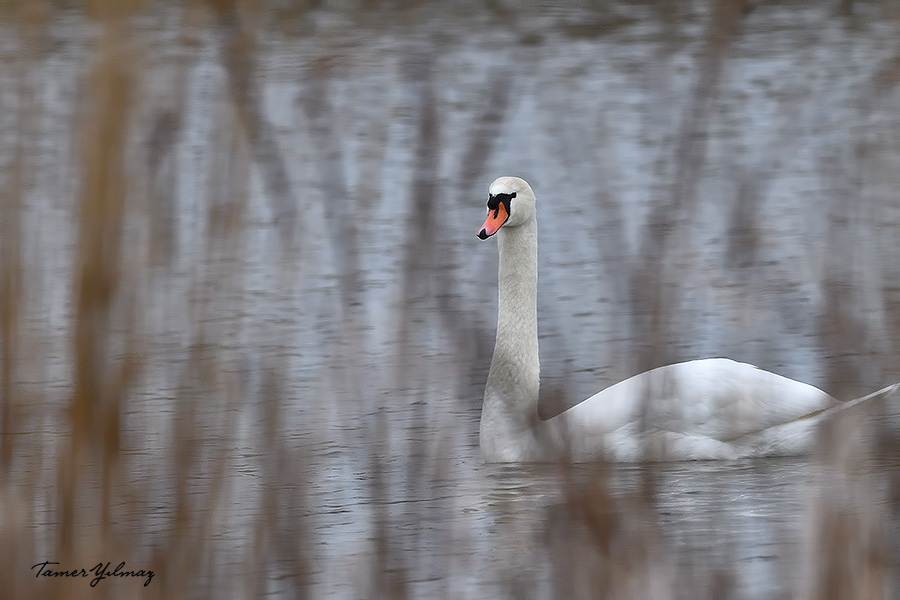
x=495, y=219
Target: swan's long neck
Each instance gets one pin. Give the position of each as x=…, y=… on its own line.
x=509, y=416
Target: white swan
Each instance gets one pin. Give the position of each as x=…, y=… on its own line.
x=704, y=409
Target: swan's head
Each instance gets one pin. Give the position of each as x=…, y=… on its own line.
x=511, y=203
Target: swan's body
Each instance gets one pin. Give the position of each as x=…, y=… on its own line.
x=703, y=409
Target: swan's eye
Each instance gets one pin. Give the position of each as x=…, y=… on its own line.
x=495, y=200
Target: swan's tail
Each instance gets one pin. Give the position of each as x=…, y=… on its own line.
x=794, y=437
x=882, y=393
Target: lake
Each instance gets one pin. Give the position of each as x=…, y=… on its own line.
x=246, y=321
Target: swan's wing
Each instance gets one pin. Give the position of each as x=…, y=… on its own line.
x=726, y=399
x=700, y=406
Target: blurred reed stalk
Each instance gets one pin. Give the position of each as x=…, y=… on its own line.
x=90, y=468
x=10, y=291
